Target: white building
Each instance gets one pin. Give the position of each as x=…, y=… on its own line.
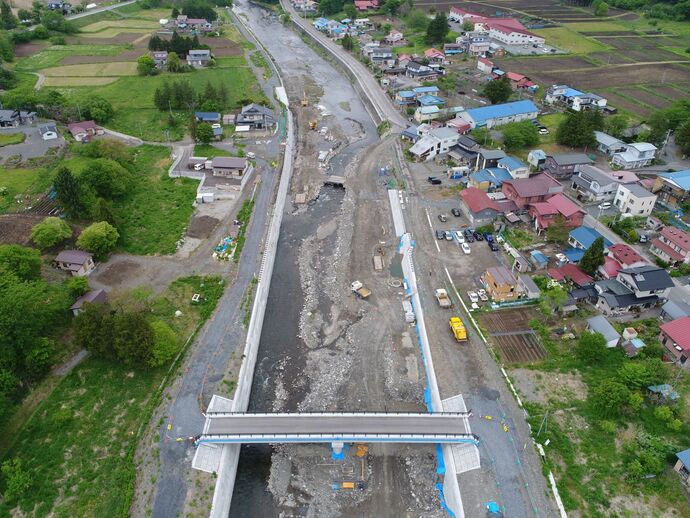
x=499, y=114
x=512, y=35
x=634, y=199
x=436, y=142
x=635, y=155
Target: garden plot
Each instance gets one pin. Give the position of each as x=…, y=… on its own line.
x=509, y=330
x=646, y=97
x=130, y=23
x=115, y=69
x=628, y=105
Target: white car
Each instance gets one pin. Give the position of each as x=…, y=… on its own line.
x=250, y=155
x=458, y=236
x=474, y=298
x=605, y=205
x=482, y=295
x=466, y=248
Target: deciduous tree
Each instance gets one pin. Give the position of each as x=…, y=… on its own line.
x=591, y=347
x=24, y=262
x=498, y=90
x=98, y=238
x=145, y=65
x=50, y=232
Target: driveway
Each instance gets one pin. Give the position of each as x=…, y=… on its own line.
x=32, y=147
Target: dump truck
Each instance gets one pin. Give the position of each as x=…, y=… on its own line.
x=359, y=290
x=312, y=124
x=458, y=328
x=443, y=298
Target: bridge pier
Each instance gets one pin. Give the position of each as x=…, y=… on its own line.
x=338, y=450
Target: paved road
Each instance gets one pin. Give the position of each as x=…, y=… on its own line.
x=337, y=424
x=209, y=357
x=365, y=79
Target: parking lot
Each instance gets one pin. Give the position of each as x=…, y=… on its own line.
x=33, y=146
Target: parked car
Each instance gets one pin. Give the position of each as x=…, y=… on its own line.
x=449, y=235
x=442, y=218
x=543, y=131
x=478, y=236
x=250, y=155
x=433, y=180
x=644, y=238
x=465, y=248
x=474, y=298
x=489, y=237
x=469, y=236
x=455, y=212
x=459, y=237
x=494, y=247
x=440, y=234
x=605, y=205
x=482, y=295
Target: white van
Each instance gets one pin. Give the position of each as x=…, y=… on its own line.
x=250, y=155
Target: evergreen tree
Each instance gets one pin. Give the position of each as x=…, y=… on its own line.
x=209, y=94
x=577, y=129
x=175, y=13
x=498, y=90
x=7, y=19
x=593, y=257
x=438, y=29
x=174, y=64
x=69, y=193
x=223, y=95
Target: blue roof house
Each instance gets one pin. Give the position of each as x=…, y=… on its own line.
x=207, y=116
x=489, y=179
x=425, y=90
x=675, y=188
x=516, y=167
x=499, y=114
x=430, y=100
x=321, y=24
x=583, y=237
x=405, y=97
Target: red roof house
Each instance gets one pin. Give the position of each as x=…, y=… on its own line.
x=365, y=5
x=515, y=77
x=672, y=245
x=528, y=191
x=610, y=268
x=546, y=212
x=459, y=125
x=570, y=272
x=626, y=255
x=478, y=207
x=675, y=337
x=84, y=130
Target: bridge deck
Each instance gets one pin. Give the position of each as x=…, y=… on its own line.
x=323, y=427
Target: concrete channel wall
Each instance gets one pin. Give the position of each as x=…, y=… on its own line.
x=230, y=456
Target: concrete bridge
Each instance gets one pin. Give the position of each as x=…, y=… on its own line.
x=336, y=428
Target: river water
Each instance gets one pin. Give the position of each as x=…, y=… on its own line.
x=281, y=351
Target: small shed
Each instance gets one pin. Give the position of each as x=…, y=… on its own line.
x=91, y=297
x=528, y=287
x=633, y=346
x=663, y=393
x=682, y=466
x=539, y=259
x=599, y=324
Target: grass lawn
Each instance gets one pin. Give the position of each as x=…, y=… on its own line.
x=78, y=446
x=128, y=23
x=51, y=56
x=118, y=68
x=28, y=182
x=7, y=139
x=569, y=40
x=66, y=82
x=153, y=216
x=210, y=151
x=603, y=26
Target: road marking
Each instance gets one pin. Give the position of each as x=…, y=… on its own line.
x=433, y=235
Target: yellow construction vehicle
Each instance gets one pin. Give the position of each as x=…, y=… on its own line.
x=312, y=124
x=458, y=329
x=305, y=101
x=362, y=450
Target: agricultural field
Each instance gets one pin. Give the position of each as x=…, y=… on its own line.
x=510, y=332
x=20, y=187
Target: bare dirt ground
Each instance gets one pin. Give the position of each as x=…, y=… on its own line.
x=16, y=228
x=548, y=388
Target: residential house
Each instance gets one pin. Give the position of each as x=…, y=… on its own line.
x=593, y=185
x=405, y=97
x=570, y=272
x=636, y=155
x=160, y=57
x=421, y=91
x=451, y=49
x=321, y=24
x=675, y=309
x=682, y=466
x=488, y=158
x=420, y=71
x=427, y=114
x=599, y=324
x=583, y=237
x=672, y=245
x=48, y=132
x=199, y=58
x=229, y=166
x=13, y=118
x=382, y=57
x=675, y=337
x=626, y=177
x=499, y=114
x=90, y=297
x=394, y=37
x=574, y=99
x=485, y=65
x=210, y=117
x=458, y=125
x=614, y=298
x=479, y=209
x=528, y=287
x=618, y=257
x=479, y=46
x=646, y=280
x=528, y=191
x=366, y=5
x=199, y=24
x=410, y=133
x=536, y=158
x=437, y=142
x=83, y=131
x=673, y=189
x=256, y=116
x=634, y=199
x=514, y=166
x=489, y=179
x=305, y=6
x=557, y=207
x=562, y=166
x=500, y=283
x=430, y=100
x=435, y=56
x=77, y=262
x=510, y=31
x=607, y=144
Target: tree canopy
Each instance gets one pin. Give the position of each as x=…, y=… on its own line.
x=517, y=135
x=593, y=257
x=498, y=90
x=50, y=232
x=98, y=238
x=577, y=129
x=437, y=30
